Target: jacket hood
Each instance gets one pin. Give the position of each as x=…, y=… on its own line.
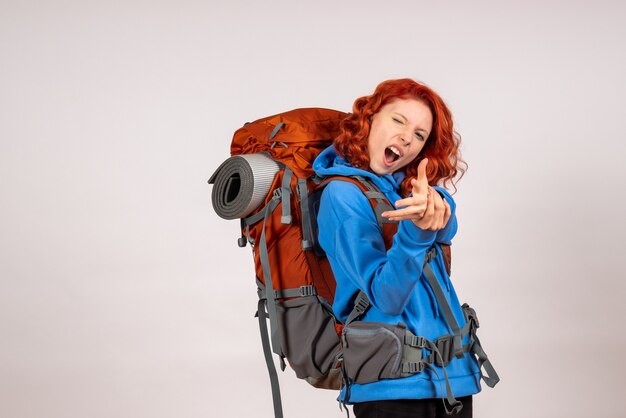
x=329, y=163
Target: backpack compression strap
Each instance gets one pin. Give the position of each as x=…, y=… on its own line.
x=265, y=265
x=269, y=301
x=276, y=400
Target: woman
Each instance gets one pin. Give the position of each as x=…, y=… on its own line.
x=401, y=139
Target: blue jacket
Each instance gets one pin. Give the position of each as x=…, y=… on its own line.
x=392, y=280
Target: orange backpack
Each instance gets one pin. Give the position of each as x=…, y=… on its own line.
x=272, y=158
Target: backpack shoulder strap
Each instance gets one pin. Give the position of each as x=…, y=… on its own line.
x=377, y=200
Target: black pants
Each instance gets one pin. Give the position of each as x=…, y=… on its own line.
x=410, y=408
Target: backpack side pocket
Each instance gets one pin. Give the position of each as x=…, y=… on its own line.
x=372, y=351
x=309, y=339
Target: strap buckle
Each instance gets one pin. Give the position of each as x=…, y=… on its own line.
x=412, y=367
x=444, y=345
x=430, y=255
x=470, y=315
x=361, y=304
x=307, y=291
x=415, y=341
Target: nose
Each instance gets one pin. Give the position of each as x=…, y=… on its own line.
x=406, y=137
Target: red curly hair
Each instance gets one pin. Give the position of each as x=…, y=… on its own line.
x=442, y=146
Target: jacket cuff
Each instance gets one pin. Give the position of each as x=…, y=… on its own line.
x=416, y=234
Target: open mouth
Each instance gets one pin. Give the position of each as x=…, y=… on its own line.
x=391, y=154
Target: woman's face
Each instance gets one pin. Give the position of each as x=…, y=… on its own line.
x=397, y=135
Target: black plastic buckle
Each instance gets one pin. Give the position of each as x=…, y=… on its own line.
x=444, y=345
x=362, y=303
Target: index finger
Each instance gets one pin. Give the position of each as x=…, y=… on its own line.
x=422, y=178
x=408, y=201
x=411, y=210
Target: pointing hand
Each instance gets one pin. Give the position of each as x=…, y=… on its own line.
x=425, y=207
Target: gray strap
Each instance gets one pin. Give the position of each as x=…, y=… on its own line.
x=251, y=220
x=382, y=205
x=366, y=183
x=267, y=274
x=432, y=357
x=361, y=305
x=303, y=195
x=276, y=129
x=452, y=401
x=492, y=378
x=241, y=241
x=286, y=199
x=374, y=195
x=271, y=369
x=301, y=291
x=308, y=290
x=443, y=304
x=413, y=362
x=278, y=143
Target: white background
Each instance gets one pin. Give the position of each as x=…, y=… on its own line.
x=122, y=294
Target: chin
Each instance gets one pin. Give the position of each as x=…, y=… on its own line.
x=382, y=172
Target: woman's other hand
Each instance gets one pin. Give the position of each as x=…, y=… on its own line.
x=425, y=207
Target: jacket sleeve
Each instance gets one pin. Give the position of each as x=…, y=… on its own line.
x=446, y=234
x=353, y=242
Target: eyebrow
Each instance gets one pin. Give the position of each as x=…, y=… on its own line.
x=406, y=120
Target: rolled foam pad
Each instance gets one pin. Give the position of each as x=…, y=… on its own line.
x=241, y=184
